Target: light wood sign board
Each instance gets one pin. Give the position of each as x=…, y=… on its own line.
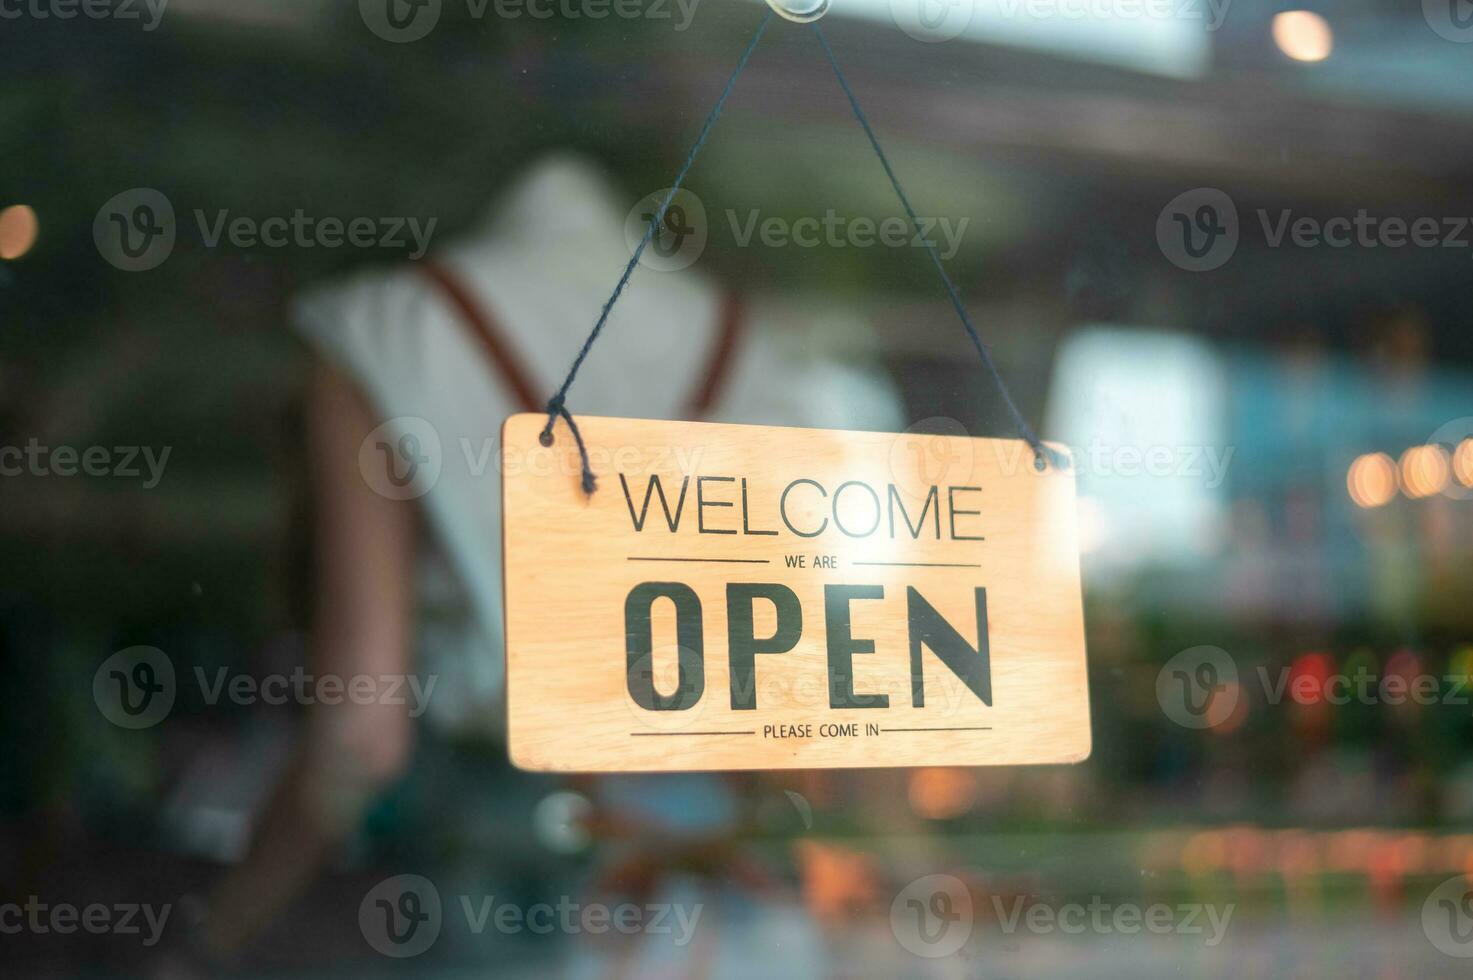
x=750, y=597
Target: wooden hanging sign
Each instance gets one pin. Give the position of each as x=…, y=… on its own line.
x=751, y=597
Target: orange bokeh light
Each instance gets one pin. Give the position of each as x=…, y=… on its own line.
x=942, y=794
x=1303, y=35
x=19, y=229
x=1463, y=463
x=1372, y=480
x=1424, y=471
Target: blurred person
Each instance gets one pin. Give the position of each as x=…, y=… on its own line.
x=451, y=348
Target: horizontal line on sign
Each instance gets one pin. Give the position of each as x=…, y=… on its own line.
x=729, y=561
x=655, y=734
x=919, y=564
x=983, y=728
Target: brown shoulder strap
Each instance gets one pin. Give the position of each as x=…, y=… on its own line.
x=499, y=352
x=508, y=364
x=718, y=364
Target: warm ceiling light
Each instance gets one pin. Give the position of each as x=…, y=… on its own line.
x=1424, y=470
x=18, y=230
x=1303, y=36
x=1372, y=480
x=1463, y=463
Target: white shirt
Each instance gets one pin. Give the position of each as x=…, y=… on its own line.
x=540, y=277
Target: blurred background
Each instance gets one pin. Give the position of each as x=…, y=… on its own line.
x=1272, y=425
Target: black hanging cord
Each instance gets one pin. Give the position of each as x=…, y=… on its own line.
x=1040, y=451
x=556, y=405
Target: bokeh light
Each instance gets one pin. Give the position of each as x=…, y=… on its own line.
x=942, y=794
x=1372, y=480
x=1308, y=675
x=1463, y=463
x=18, y=231
x=1303, y=35
x=1424, y=471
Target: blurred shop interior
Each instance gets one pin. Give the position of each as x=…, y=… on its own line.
x=1313, y=512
